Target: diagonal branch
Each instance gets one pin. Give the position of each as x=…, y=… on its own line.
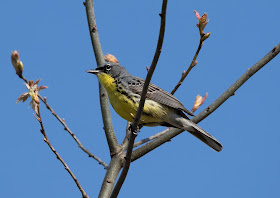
x=56, y=153
x=80, y=145
x=66, y=128
x=134, y=125
x=202, y=22
x=106, y=115
x=148, y=139
x=192, y=65
x=211, y=108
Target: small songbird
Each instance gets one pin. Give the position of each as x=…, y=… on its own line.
x=161, y=108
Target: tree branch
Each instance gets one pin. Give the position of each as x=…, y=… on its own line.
x=143, y=141
x=111, y=176
x=136, y=120
x=202, y=22
x=80, y=145
x=193, y=63
x=115, y=164
x=211, y=108
x=57, y=155
x=106, y=115
x=66, y=128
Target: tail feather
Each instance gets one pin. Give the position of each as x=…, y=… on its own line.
x=200, y=134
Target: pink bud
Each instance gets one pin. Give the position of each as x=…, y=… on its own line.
x=111, y=58
x=17, y=64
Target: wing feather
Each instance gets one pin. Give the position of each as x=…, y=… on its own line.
x=154, y=93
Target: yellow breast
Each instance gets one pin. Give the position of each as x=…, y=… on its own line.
x=126, y=106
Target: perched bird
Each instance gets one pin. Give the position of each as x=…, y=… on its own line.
x=161, y=108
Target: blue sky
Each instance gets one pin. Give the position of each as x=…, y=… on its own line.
x=53, y=41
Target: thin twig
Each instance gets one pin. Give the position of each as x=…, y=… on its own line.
x=193, y=63
x=57, y=155
x=80, y=145
x=72, y=134
x=136, y=120
x=143, y=141
x=105, y=110
x=211, y=108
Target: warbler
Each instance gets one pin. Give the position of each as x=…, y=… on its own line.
x=161, y=108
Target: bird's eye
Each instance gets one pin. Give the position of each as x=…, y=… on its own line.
x=108, y=67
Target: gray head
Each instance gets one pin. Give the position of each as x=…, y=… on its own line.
x=113, y=69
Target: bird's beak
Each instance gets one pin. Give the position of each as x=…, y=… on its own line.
x=93, y=71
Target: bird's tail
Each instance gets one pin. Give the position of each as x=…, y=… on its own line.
x=198, y=132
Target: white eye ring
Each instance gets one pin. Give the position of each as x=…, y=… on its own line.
x=108, y=67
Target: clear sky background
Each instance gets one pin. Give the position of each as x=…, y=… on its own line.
x=53, y=40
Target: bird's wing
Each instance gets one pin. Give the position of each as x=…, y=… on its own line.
x=155, y=93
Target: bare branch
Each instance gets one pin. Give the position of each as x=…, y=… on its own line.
x=126, y=165
x=56, y=153
x=60, y=120
x=66, y=128
x=211, y=108
x=192, y=65
x=143, y=141
x=111, y=176
x=115, y=164
x=202, y=22
x=106, y=115
x=136, y=120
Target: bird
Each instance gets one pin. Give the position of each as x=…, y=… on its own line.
x=161, y=108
